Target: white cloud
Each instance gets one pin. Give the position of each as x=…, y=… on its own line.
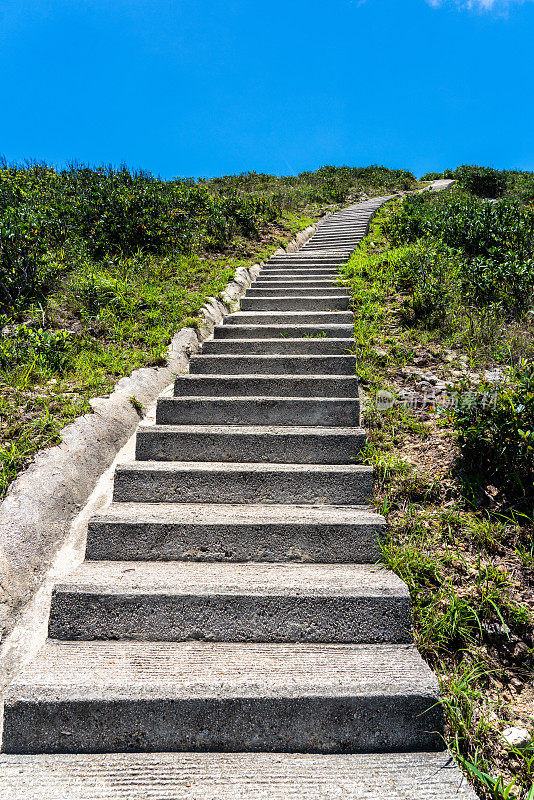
x=479, y=5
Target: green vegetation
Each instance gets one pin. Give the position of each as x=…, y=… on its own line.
x=451, y=455
x=100, y=267
x=326, y=185
x=487, y=182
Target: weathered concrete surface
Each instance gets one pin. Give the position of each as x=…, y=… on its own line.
x=300, y=346
x=221, y=602
x=279, y=331
x=273, y=365
x=37, y=513
x=331, y=412
x=150, y=696
x=324, y=302
x=233, y=776
x=290, y=318
x=267, y=386
x=201, y=482
x=319, y=534
x=249, y=443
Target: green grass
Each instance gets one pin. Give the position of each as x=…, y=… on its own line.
x=468, y=566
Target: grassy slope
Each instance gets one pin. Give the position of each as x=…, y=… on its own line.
x=470, y=569
x=123, y=316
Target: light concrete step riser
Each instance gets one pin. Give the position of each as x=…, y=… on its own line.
x=267, y=386
x=292, y=303
x=302, y=346
x=275, y=293
x=335, y=412
x=157, y=482
x=277, y=445
x=283, y=331
x=233, y=776
x=290, y=318
x=325, y=534
x=273, y=365
x=79, y=615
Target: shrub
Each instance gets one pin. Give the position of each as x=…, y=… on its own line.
x=496, y=434
x=97, y=291
x=20, y=257
x=481, y=181
x=42, y=349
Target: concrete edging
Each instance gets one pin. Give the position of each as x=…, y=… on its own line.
x=41, y=504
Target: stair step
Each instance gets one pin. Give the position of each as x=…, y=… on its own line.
x=263, y=291
x=215, y=482
x=293, y=411
x=274, y=365
x=266, y=386
x=232, y=776
x=99, y=697
x=294, y=303
x=290, y=318
x=176, y=532
x=287, y=331
x=204, y=442
x=175, y=601
x=300, y=346
x=281, y=273
x=296, y=283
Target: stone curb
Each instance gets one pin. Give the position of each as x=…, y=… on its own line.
x=41, y=504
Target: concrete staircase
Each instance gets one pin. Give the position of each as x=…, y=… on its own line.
x=230, y=634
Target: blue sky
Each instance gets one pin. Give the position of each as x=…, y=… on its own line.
x=210, y=87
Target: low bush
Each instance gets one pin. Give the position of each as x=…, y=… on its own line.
x=481, y=181
x=21, y=254
x=43, y=350
x=496, y=434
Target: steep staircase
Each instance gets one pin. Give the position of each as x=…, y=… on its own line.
x=230, y=634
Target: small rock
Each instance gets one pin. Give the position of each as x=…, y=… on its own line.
x=516, y=737
x=380, y=352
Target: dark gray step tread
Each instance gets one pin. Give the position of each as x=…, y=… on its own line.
x=291, y=284
x=271, y=410
x=291, y=303
x=252, y=602
x=273, y=364
x=289, y=317
x=228, y=482
x=301, y=345
x=319, y=445
x=233, y=533
x=281, y=331
x=326, y=386
x=232, y=776
x=272, y=294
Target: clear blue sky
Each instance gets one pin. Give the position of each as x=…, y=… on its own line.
x=210, y=87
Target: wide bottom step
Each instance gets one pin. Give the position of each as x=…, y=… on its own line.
x=163, y=696
x=233, y=776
